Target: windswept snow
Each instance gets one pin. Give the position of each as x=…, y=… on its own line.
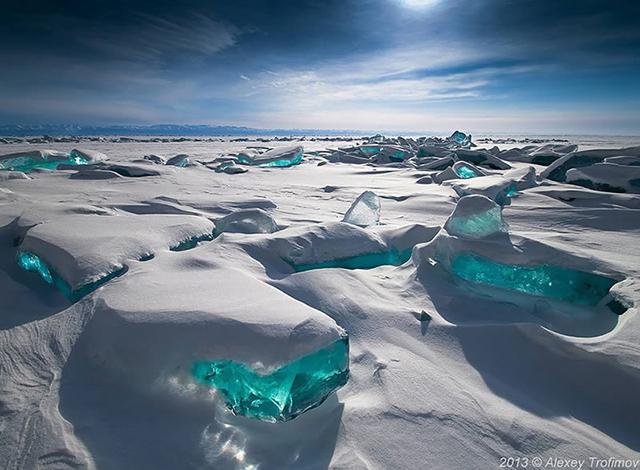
x=491, y=310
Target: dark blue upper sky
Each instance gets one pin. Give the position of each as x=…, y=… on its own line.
x=537, y=66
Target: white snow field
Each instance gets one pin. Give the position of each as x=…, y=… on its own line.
x=195, y=313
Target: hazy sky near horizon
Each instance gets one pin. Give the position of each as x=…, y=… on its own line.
x=536, y=66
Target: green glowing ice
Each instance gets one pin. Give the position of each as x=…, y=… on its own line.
x=294, y=159
x=548, y=281
x=365, y=261
x=371, y=149
x=465, y=172
x=284, y=393
x=27, y=164
x=33, y=263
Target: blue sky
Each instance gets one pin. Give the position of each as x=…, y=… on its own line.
x=513, y=66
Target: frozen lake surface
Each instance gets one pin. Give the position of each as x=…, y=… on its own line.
x=191, y=316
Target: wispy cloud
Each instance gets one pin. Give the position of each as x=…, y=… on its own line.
x=158, y=39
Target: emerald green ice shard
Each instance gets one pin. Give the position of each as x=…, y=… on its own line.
x=33, y=263
x=576, y=287
x=365, y=261
x=27, y=164
x=284, y=393
x=465, y=172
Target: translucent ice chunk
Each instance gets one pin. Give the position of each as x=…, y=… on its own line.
x=475, y=217
x=460, y=138
x=365, y=210
x=284, y=393
x=181, y=161
x=278, y=157
x=247, y=221
x=28, y=161
x=364, y=261
x=549, y=281
x=465, y=172
x=33, y=263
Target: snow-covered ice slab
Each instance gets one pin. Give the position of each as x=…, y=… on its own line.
x=271, y=357
x=83, y=250
x=607, y=177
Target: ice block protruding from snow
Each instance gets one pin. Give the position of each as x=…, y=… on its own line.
x=572, y=286
x=281, y=156
x=247, y=221
x=475, y=217
x=181, y=161
x=461, y=138
x=47, y=159
x=284, y=393
x=365, y=211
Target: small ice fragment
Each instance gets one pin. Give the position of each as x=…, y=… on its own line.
x=181, y=161
x=230, y=168
x=365, y=211
x=474, y=217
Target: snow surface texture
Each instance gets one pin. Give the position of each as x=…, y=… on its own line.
x=459, y=352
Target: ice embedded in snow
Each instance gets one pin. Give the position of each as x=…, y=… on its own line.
x=365, y=210
x=482, y=158
x=280, y=156
x=46, y=159
x=474, y=217
x=607, y=177
x=568, y=285
x=230, y=168
x=155, y=159
x=466, y=170
x=557, y=170
x=270, y=356
x=34, y=263
x=284, y=393
x=247, y=221
x=495, y=187
x=68, y=245
x=182, y=161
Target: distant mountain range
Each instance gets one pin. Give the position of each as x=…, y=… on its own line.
x=159, y=130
